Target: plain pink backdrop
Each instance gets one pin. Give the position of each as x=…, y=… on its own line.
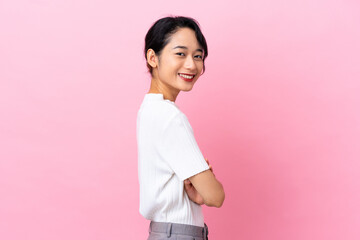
x=277, y=113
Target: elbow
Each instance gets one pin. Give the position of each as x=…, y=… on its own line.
x=220, y=201
x=216, y=202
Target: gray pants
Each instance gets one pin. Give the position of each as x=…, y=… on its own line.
x=176, y=231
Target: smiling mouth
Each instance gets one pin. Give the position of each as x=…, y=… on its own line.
x=186, y=77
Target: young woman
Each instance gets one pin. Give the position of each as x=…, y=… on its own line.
x=175, y=178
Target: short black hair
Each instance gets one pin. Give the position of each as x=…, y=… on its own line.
x=160, y=32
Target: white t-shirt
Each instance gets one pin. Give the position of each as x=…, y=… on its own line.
x=167, y=155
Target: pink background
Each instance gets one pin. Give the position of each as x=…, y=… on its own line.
x=276, y=112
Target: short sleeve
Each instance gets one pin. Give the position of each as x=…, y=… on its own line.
x=178, y=147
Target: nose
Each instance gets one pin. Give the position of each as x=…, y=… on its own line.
x=189, y=63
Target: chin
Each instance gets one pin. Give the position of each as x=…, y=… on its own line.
x=187, y=89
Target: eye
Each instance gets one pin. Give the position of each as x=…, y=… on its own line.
x=199, y=56
x=179, y=53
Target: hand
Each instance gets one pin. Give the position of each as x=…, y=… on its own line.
x=209, y=165
x=192, y=192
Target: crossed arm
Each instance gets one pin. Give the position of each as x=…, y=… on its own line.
x=204, y=188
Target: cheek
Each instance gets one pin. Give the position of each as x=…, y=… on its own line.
x=170, y=65
x=200, y=65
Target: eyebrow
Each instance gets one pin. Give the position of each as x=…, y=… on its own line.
x=199, y=49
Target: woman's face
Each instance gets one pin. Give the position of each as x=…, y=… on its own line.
x=182, y=55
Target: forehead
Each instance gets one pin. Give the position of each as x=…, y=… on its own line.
x=184, y=37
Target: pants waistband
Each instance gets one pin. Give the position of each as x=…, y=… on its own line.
x=177, y=228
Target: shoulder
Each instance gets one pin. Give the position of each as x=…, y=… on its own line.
x=165, y=109
x=177, y=122
x=162, y=112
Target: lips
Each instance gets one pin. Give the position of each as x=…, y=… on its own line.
x=181, y=75
x=187, y=74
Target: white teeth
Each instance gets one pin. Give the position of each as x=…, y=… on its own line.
x=186, y=76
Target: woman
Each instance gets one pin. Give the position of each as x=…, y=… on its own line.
x=175, y=179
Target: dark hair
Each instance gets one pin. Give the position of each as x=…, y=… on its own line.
x=160, y=32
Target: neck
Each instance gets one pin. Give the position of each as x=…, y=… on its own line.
x=168, y=94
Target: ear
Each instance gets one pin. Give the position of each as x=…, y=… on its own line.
x=151, y=58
